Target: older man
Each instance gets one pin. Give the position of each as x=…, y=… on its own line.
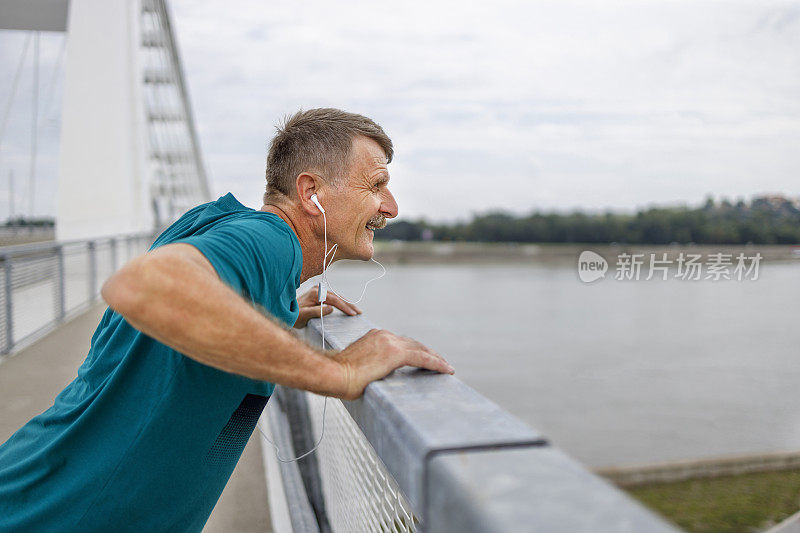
x=186, y=356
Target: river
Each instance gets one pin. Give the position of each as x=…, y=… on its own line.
x=614, y=372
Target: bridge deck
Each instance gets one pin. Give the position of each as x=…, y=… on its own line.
x=30, y=380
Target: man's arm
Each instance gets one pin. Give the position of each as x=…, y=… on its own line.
x=174, y=295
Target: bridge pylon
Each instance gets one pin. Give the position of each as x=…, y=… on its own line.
x=130, y=159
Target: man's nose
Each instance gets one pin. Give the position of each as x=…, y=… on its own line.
x=388, y=205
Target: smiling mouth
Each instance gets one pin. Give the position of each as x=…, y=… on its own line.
x=377, y=222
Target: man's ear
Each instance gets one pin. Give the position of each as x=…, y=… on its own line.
x=307, y=185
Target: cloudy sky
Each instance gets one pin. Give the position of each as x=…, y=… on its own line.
x=513, y=105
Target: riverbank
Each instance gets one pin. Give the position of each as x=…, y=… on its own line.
x=753, y=502
x=418, y=252
x=705, y=468
x=751, y=492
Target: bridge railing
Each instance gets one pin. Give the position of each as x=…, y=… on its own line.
x=43, y=283
x=422, y=451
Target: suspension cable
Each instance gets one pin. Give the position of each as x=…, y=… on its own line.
x=48, y=102
x=14, y=85
x=34, y=126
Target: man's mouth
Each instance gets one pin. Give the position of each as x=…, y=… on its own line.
x=376, y=222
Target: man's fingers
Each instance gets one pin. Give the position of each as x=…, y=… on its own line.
x=427, y=360
x=310, y=298
x=419, y=346
x=346, y=308
x=312, y=311
x=414, y=345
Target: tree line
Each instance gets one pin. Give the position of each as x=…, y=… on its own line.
x=763, y=220
x=22, y=221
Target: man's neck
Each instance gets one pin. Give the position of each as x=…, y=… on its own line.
x=310, y=245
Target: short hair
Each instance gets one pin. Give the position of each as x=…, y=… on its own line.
x=317, y=140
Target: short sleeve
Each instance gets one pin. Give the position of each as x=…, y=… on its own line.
x=253, y=256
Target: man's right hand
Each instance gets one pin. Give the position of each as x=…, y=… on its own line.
x=377, y=354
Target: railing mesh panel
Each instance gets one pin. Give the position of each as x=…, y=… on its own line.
x=5, y=341
x=127, y=250
x=360, y=494
x=142, y=244
x=34, y=293
x=104, y=261
x=131, y=248
x=47, y=281
x=76, y=276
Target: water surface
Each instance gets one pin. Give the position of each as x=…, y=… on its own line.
x=614, y=372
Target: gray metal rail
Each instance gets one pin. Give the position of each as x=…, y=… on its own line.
x=463, y=463
x=43, y=283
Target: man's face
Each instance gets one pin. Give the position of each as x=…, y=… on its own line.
x=363, y=199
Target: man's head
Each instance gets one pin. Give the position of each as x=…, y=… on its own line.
x=341, y=157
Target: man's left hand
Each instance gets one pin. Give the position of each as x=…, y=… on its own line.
x=309, y=307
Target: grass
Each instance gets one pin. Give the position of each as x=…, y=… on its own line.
x=731, y=504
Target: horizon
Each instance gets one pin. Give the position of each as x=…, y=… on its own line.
x=795, y=201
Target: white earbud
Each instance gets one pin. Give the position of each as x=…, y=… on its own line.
x=316, y=203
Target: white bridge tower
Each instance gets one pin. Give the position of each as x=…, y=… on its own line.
x=130, y=159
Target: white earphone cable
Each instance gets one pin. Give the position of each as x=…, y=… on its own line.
x=328, y=285
x=321, y=296
x=324, y=409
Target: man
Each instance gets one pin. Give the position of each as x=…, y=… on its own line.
x=186, y=356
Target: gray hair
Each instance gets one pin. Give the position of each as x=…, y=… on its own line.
x=317, y=140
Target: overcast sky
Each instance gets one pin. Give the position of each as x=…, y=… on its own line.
x=513, y=105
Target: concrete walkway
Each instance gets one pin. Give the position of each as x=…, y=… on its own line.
x=790, y=525
x=31, y=379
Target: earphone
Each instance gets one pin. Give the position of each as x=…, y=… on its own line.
x=322, y=295
x=316, y=203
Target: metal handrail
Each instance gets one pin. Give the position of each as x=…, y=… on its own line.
x=467, y=465
x=36, y=282
x=42, y=246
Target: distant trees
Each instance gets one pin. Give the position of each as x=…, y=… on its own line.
x=765, y=220
x=21, y=221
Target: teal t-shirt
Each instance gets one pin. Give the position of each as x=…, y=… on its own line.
x=145, y=438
